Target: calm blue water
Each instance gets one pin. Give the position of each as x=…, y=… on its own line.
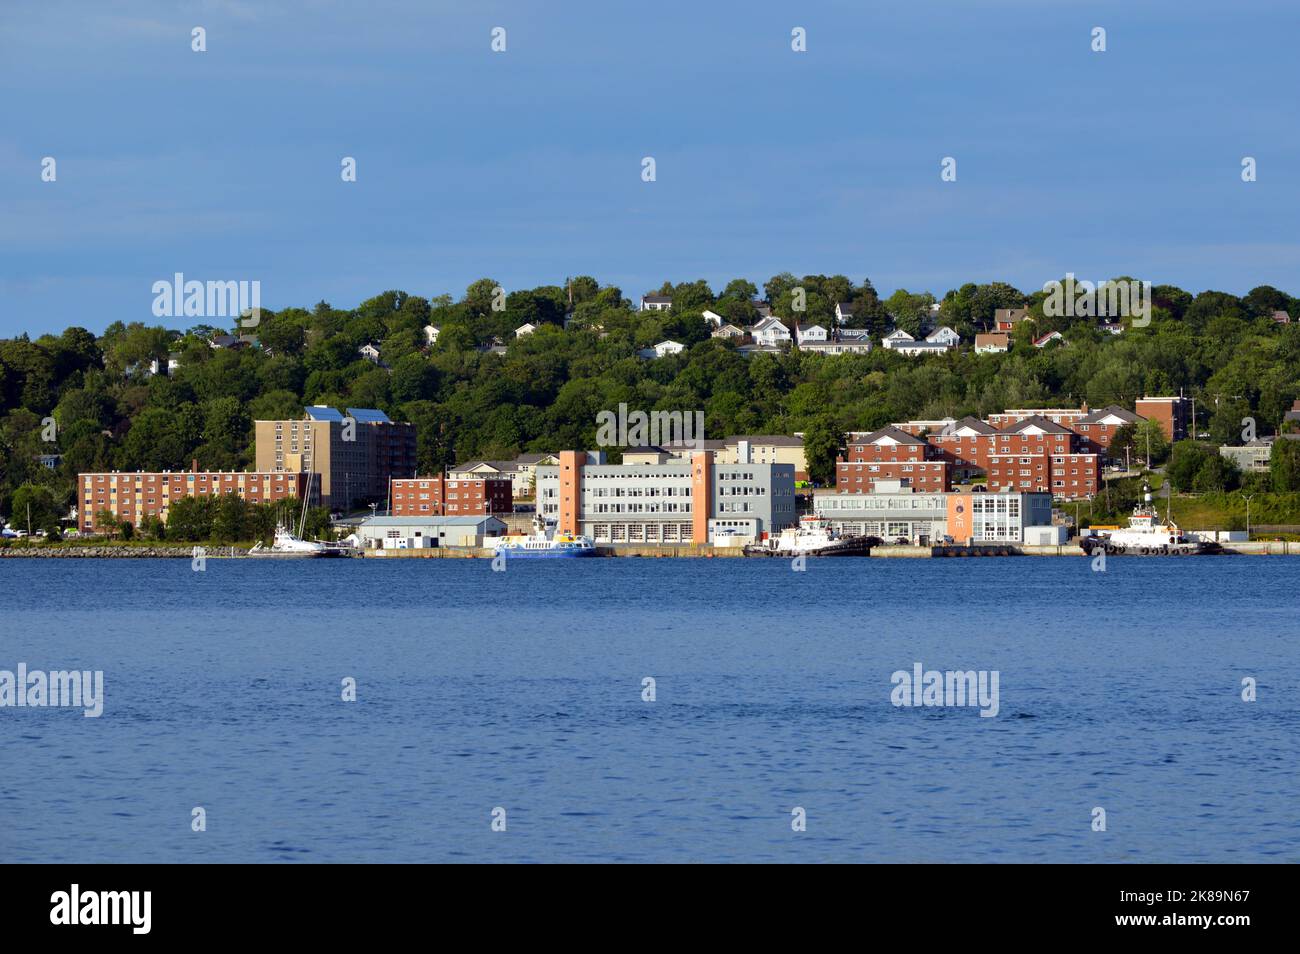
x=523, y=690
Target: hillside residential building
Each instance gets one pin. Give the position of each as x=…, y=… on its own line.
x=431, y=333
x=843, y=312
x=130, y=497
x=656, y=302
x=662, y=349
x=810, y=335
x=1045, y=340
x=992, y=342
x=713, y=318
x=937, y=342
x=665, y=503
x=1251, y=458
x=945, y=336
x=353, y=457
x=729, y=331
x=1006, y=319
x=770, y=333
x=440, y=496
x=845, y=341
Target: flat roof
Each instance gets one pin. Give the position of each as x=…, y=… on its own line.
x=426, y=521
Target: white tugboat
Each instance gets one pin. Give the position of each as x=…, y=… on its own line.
x=812, y=537
x=1146, y=535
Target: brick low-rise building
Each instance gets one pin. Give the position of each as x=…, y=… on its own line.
x=890, y=454
x=130, y=497
x=440, y=496
x=1030, y=454
x=1169, y=412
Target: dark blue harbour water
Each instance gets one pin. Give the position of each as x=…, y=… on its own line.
x=523, y=690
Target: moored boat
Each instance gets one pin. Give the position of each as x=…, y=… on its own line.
x=1146, y=535
x=544, y=543
x=812, y=537
x=287, y=546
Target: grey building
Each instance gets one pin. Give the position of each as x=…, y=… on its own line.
x=1252, y=458
x=655, y=501
x=418, y=533
x=895, y=513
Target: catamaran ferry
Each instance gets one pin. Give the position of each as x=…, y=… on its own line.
x=544, y=543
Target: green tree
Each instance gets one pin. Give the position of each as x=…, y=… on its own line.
x=1284, y=465
x=821, y=446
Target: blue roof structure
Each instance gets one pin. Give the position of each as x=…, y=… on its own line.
x=368, y=415
x=319, y=412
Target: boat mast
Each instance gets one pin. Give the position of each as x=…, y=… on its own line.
x=302, y=520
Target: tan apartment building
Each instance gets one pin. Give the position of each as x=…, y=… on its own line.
x=353, y=457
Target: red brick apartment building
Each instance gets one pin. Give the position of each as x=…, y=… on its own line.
x=891, y=454
x=1032, y=454
x=1095, y=428
x=440, y=496
x=129, y=497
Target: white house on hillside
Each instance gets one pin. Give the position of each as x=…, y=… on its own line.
x=770, y=332
x=431, y=333
x=525, y=329
x=369, y=352
x=895, y=338
x=661, y=349
x=656, y=302
x=811, y=334
x=944, y=336
x=713, y=318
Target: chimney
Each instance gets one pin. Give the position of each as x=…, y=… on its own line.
x=194, y=464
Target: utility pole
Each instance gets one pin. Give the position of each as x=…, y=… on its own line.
x=1247, y=499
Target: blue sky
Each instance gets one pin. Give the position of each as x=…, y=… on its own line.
x=525, y=166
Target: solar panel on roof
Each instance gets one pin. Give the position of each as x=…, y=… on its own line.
x=368, y=415
x=318, y=413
